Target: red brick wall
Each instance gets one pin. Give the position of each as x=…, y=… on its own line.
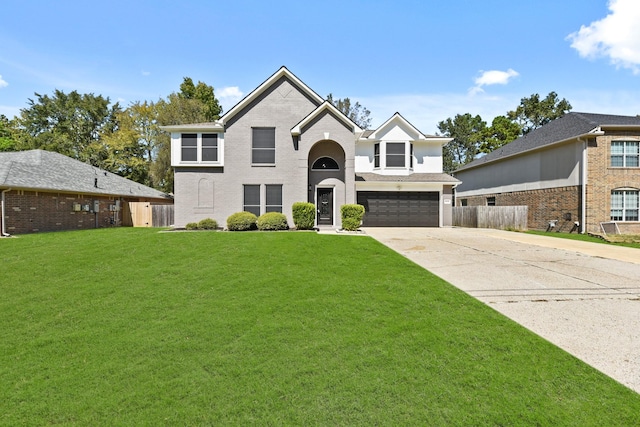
x=31, y=212
x=544, y=205
x=602, y=179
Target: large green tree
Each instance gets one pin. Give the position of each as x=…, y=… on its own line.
x=356, y=112
x=534, y=112
x=467, y=132
x=72, y=124
x=7, y=139
x=501, y=132
x=204, y=93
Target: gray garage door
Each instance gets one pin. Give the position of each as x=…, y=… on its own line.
x=400, y=209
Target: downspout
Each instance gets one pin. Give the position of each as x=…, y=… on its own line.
x=4, y=233
x=583, y=179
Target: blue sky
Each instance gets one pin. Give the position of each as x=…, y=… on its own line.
x=427, y=59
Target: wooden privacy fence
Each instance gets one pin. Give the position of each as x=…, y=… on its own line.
x=499, y=217
x=147, y=214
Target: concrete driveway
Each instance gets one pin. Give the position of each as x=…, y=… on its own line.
x=583, y=297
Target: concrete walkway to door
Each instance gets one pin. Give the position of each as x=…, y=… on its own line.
x=583, y=297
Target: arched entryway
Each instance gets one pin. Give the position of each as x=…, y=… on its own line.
x=326, y=178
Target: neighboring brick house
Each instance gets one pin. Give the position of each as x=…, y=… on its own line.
x=47, y=191
x=581, y=168
x=283, y=143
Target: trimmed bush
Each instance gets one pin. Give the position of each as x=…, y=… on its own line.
x=304, y=215
x=207, y=224
x=242, y=221
x=351, y=216
x=191, y=226
x=272, y=221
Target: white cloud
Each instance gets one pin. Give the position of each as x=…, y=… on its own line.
x=3, y=82
x=616, y=36
x=229, y=96
x=145, y=73
x=492, y=77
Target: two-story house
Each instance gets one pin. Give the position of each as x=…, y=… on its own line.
x=283, y=143
x=581, y=168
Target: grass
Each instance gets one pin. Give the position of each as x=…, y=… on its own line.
x=630, y=241
x=135, y=327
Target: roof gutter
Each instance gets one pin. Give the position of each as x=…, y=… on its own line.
x=2, y=220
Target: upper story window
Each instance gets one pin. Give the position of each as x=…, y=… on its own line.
x=263, y=146
x=189, y=147
x=625, y=154
x=199, y=147
x=625, y=205
x=209, y=147
x=395, y=154
x=376, y=155
x=325, y=163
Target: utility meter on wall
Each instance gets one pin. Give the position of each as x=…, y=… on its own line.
x=96, y=206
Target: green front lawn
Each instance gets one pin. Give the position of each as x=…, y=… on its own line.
x=620, y=240
x=135, y=327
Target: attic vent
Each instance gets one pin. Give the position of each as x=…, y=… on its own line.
x=95, y=182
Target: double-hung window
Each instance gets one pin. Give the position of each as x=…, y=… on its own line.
x=189, y=147
x=624, y=205
x=209, y=147
x=625, y=154
x=274, y=198
x=199, y=148
x=251, y=202
x=395, y=154
x=376, y=155
x=263, y=146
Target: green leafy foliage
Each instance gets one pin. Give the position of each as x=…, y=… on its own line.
x=534, y=112
x=467, y=132
x=304, y=215
x=207, y=224
x=472, y=136
x=352, y=215
x=242, y=221
x=72, y=124
x=272, y=221
x=191, y=226
x=356, y=112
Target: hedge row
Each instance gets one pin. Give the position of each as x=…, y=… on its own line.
x=304, y=218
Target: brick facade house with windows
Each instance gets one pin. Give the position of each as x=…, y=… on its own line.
x=582, y=168
x=283, y=143
x=47, y=191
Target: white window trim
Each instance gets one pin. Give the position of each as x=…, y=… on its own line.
x=383, y=156
x=177, y=150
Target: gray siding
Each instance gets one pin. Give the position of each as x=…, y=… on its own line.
x=553, y=167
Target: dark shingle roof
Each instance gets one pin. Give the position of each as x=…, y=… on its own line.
x=416, y=177
x=569, y=126
x=49, y=171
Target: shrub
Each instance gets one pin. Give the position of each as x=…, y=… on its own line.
x=272, y=221
x=351, y=216
x=191, y=226
x=242, y=221
x=207, y=224
x=304, y=215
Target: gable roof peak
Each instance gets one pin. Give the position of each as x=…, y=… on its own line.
x=282, y=72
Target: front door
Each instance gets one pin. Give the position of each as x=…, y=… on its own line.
x=325, y=206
